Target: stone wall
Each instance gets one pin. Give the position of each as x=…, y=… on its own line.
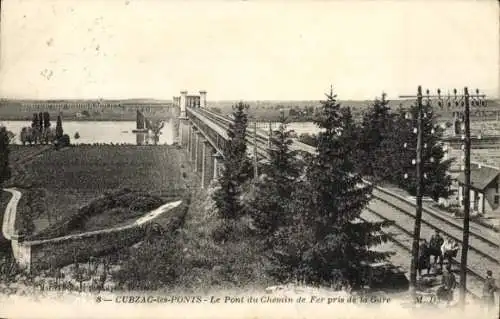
x=79, y=248
x=61, y=251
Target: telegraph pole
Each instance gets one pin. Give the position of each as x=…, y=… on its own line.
x=461, y=100
x=465, y=239
x=418, y=213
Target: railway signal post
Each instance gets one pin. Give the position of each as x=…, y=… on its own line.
x=460, y=100
x=418, y=215
x=465, y=101
x=465, y=239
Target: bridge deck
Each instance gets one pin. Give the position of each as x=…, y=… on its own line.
x=219, y=124
x=212, y=125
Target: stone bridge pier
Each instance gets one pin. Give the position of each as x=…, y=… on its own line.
x=203, y=157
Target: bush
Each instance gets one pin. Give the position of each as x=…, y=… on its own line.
x=145, y=204
x=65, y=140
x=151, y=266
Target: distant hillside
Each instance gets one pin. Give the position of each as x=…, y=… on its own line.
x=72, y=101
x=289, y=103
x=355, y=104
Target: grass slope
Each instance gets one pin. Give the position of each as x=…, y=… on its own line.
x=69, y=179
x=208, y=265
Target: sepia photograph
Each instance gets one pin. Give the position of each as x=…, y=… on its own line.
x=249, y=159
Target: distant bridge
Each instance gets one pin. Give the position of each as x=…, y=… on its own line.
x=87, y=105
x=204, y=134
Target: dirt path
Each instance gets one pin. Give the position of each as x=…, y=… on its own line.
x=9, y=219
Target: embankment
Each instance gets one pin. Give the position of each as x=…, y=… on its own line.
x=56, y=252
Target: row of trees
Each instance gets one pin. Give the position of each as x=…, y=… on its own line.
x=41, y=131
x=41, y=120
x=385, y=143
x=305, y=213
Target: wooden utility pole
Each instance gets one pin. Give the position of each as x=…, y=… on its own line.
x=465, y=239
x=465, y=117
x=418, y=215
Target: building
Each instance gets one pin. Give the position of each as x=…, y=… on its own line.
x=484, y=190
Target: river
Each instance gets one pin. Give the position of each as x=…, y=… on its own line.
x=118, y=132
x=91, y=132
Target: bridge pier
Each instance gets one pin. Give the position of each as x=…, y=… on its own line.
x=207, y=170
x=184, y=132
x=217, y=165
x=188, y=146
x=199, y=154
x=192, y=149
x=196, y=150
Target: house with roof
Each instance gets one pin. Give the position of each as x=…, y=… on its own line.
x=484, y=189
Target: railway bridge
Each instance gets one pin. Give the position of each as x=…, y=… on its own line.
x=204, y=134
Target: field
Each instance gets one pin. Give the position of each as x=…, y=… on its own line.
x=19, y=152
x=69, y=179
x=268, y=110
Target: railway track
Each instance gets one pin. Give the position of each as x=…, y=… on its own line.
x=483, y=250
x=403, y=238
x=483, y=244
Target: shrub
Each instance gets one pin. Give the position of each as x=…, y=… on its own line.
x=65, y=140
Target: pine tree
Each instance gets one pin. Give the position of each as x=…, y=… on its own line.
x=59, y=128
x=333, y=203
x=5, y=172
x=269, y=208
x=402, y=132
x=40, y=121
x=236, y=169
x=34, y=121
x=46, y=120
x=375, y=132
x=350, y=131
x=437, y=182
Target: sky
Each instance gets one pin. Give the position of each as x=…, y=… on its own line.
x=246, y=50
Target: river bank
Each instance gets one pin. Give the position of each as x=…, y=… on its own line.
x=75, y=118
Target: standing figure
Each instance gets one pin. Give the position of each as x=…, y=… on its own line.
x=448, y=284
x=435, y=249
x=489, y=290
x=423, y=257
x=449, y=250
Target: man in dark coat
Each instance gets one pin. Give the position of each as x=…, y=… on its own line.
x=423, y=257
x=435, y=249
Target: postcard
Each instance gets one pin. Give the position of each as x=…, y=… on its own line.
x=249, y=159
